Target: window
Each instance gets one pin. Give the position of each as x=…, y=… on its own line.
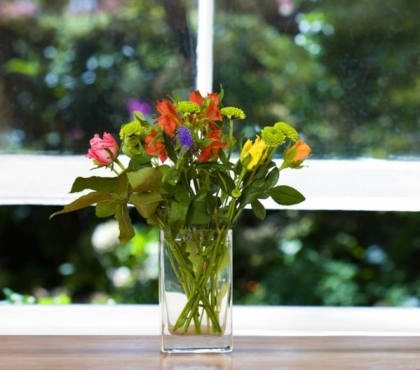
x=345, y=74
x=346, y=79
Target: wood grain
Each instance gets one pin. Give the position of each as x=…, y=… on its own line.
x=253, y=352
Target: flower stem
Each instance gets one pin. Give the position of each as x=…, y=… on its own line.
x=200, y=290
x=117, y=161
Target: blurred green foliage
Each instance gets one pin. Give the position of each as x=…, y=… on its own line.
x=67, y=73
x=345, y=74
x=78, y=256
x=329, y=258
x=292, y=258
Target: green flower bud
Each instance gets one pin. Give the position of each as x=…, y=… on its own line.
x=130, y=129
x=236, y=193
x=187, y=107
x=272, y=137
x=287, y=130
x=233, y=113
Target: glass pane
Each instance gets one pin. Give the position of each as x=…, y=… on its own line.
x=72, y=68
x=346, y=74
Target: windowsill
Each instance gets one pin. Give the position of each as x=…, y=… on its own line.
x=370, y=185
x=247, y=320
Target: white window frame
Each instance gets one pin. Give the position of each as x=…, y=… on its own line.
x=367, y=185
x=79, y=319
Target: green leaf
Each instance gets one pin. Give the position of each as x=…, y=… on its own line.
x=104, y=184
x=193, y=256
x=124, y=222
x=166, y=188
x=153, y=220
x=146, y=203
x=250, y=194
x=223, y=260
x=202, y=194
x=286, y=195
x=198, y=213
x=224, y=289
x=177, y=214
x=177, y=211
x=170, y=177
x=146, y=179
x=221, y=94
x=182, y=195
x=121, y=188
x=169, y=149
x=224, y=181
x=211, y=202
x=223, y=158
x=84, y=201
x=138, y=115
x=258, y=209
x=139, y=161
x=105, y=209
x=272, y=179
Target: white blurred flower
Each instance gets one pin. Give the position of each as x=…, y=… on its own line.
x=121, y=276
x=105, y=236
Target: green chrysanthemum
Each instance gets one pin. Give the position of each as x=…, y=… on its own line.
x=233, y=113
x=129, y=129
x=287, y=130
x=187, y=107
x=272, y=137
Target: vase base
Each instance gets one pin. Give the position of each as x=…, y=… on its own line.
x=196, y=344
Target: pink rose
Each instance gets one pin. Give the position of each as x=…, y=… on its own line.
x=98, y=147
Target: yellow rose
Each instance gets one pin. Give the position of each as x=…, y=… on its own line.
x=252, y=153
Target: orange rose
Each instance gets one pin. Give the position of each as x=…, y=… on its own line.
x=296, y=154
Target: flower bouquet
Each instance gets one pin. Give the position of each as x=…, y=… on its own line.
x=186, y=176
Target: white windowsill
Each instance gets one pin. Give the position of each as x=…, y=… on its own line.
x=247, y=320
x=371, y=185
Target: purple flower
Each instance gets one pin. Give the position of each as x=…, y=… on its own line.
x=185, y=138
x=134, y=104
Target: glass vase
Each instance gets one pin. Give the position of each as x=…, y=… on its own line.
x=195, y=291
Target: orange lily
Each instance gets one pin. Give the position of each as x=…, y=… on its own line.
x=157, y=148
x=211, y=113
x=212, y=150
x=169, y=117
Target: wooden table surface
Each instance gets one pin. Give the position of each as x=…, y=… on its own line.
x=250, y=352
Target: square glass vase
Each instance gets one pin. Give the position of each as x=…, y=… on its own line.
x=195, y=291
